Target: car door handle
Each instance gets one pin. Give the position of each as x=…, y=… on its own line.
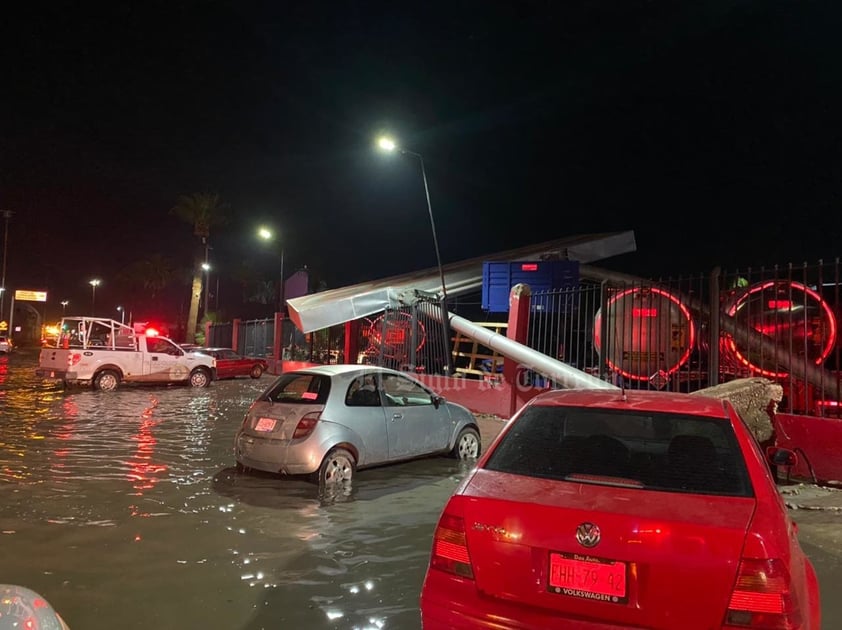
x=396, y=416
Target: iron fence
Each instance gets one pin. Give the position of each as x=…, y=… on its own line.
x=220, y=335
x=406, y=339
x=686, y=334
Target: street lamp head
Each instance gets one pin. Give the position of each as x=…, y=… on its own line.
x=264, y=233
x=386, y=143
x=206, y=266
x=65, y=302
x=95, y=282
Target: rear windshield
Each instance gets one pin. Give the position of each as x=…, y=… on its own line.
x=669, y=452
x=306, y=389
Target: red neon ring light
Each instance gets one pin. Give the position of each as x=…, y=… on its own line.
x=831, y=338
x=684, y=311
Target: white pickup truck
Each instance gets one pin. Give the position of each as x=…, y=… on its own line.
x=104, y=353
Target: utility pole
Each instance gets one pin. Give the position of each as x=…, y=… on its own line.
x=7, y=214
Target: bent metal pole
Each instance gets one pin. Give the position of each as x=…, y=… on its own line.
x=563, y=374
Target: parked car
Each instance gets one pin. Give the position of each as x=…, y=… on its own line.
x=5, y=344
x=229, y=364
x=598, y=509
x=330, y=420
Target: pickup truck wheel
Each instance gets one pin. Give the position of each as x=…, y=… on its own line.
x=256, y=371
x=200, y=377
x=107, y=381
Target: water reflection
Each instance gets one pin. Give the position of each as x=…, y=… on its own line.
x=114, y=500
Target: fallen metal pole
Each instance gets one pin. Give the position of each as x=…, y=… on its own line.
x=561, y=373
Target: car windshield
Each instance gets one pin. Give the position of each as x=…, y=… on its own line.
x=656, y=451
x=295, y=387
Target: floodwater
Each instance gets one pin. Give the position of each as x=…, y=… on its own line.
x=124, y=510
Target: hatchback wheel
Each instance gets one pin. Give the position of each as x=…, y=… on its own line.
x=467, y=444
x=338, y=466
x=256, y=371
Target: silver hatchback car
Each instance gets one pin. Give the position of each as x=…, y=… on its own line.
x=331, y=420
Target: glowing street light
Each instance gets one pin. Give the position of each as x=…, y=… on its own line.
x=266, y=234
x=94, y=284
x=122, y=312
x=64, y=304
x=390, y=145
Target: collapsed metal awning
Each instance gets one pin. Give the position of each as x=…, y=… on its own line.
x=337, y=306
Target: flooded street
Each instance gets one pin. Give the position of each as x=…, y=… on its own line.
x=124, y=510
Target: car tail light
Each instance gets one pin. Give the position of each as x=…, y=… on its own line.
x=306, y=425
x=762, y=597
x=450, y=547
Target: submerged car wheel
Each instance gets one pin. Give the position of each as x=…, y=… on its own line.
x=338, y=466
x=256, y=371
x=107, y=381
x=467, y=444
x=200, y=377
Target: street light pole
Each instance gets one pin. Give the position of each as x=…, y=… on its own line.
x=64, y=304
x=94, y=284
x=7, y=214
x=281, y=296
x=390, y=145
x=432, y=221
x=206, y=267
x=267, y=235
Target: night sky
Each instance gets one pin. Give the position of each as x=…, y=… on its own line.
x=712, y=129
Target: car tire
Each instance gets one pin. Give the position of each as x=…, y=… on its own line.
x=200, y=377
x=338, y=466
x=107, y=381
x=468, y=445
x=256, y=371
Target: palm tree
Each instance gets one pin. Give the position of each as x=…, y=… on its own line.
x=203, y=211
x=147, y=278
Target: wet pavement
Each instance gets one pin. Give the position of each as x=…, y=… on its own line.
x=124, y=510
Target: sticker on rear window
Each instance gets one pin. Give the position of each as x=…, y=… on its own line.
x=309, y=396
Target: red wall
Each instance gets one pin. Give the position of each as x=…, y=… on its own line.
x=480, y=396
x=818, y=438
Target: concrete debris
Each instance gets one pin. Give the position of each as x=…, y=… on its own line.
x=812, y=497
x=755, y=399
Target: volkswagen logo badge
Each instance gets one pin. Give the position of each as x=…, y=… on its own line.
x=588, y=535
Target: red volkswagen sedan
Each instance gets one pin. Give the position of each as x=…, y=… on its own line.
x=600, y=509
x=229, y=364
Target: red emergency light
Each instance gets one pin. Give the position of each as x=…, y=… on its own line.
x=529, y=267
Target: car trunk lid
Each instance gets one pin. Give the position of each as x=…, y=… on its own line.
x=652, y=552
x=277, y=420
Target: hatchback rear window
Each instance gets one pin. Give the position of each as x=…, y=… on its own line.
x=655, y=451
x=312, y=389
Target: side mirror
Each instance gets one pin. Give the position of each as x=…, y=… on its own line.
x=781, y=456
x=437, y=401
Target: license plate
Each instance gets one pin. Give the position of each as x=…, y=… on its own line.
x=265, y=424
x=587, y=577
